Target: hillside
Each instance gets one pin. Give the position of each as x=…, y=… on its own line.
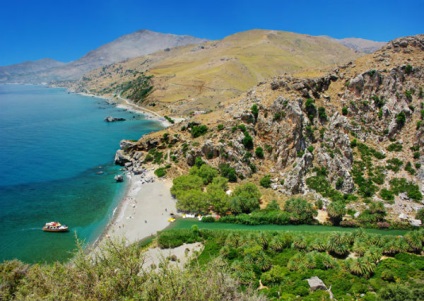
x=14, y=72
x=126, y=47
x=353, y=136
x=360, y=45
x=199, y=77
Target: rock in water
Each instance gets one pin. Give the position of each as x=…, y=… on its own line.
x=113, y=119
x=119, y=178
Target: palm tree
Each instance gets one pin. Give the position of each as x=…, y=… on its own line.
x=338, y=244
x=360, y=247
x=319, y=244
x=414, y=239
x=373, y=254
x=299, y=242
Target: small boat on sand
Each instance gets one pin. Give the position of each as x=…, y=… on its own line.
x=55, y=227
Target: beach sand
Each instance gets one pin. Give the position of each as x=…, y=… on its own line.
x=144, y=210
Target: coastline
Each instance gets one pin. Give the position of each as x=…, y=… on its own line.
x=144, y=210
x=123, y=103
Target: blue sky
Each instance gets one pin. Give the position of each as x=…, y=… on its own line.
x=66, y=30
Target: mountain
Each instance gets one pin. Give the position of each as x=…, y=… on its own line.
x=128, y=46
x=361, y=45
x=354, y=137
x=9, y=73
x=199, y=77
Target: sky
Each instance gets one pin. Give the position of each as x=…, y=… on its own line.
x=65, y=30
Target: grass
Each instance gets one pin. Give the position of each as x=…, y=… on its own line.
x=188, y=223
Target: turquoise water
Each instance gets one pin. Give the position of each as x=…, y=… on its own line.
x=56, y=163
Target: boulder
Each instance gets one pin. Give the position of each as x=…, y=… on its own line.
x=316, y=284
x=121, y=157
x=114, y=119
x=119, y=178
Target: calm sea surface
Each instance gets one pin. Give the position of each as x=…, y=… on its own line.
x=56, y=163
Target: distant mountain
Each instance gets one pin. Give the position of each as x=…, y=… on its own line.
x=8, y=73
x=128, y=46
x=199, y=77
x=360, y=45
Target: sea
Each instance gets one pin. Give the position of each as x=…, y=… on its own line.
x=57, y=164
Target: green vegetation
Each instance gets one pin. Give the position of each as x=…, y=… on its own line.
x=284, y=260
x=138, y=89
x=228, y=172
x=395, y=147
x=220, y=127
x=401, y=118
x=116, y=273
x=402, y=185
x=394, y=164
x=259, y=152
x=198, y=130
x=170, y=120
x=345, y=111
x=160, y=172
x=322, y=114
x=255, y=111
x=310, y=108
x=408, y=69
x=266, y=181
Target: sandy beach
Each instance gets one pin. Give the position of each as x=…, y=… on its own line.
x=144, y=210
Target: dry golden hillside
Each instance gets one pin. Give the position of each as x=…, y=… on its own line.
x=199, y=77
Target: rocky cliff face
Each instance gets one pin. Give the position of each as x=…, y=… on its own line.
x=351, y=134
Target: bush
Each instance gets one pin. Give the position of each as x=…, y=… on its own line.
x=401, y=118
x=247, y=141
x=228, y=172
x=160, y=172
x=255, y=111
x=387, y=195
x=266, y=181
x=322, y=114
x=220, y=127
x=394, y=164
x=395, y=147
x=420, y=215
x=208, y=219
x=344, y=111
x=197, y=131
x=402, y=185
x=259, y=152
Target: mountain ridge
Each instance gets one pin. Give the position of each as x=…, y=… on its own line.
x=125, y=47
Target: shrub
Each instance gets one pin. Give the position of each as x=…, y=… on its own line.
x=220, y=127
x=255, y=111
x=408, y=69
x=344, y=111
x=420, y=215
x=401, y=118
x=170, y=120
x=395, y=147
x=310, y=109
x=266, y=181
x=198, y=130
x=394, y=164
x=322, y=114
x=409, y=168
x=247, y=141
x=228, y=172
x=208, y=219
x=408, y=95
x=160, y=172
x=259, y=152
x=387, y=195
x=402, y=185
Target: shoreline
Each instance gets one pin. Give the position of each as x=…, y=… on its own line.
x=123, y=103
x=144, y=209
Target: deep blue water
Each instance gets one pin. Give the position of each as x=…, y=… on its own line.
x=56, y=163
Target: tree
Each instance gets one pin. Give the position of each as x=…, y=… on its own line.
x=186, y=183
x=245, y=198
x=301, y=212
x=336, y=211
x=206, y=172
x=273, y=205
x=193, y=201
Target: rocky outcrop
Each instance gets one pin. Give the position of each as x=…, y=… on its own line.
x=114, y=119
